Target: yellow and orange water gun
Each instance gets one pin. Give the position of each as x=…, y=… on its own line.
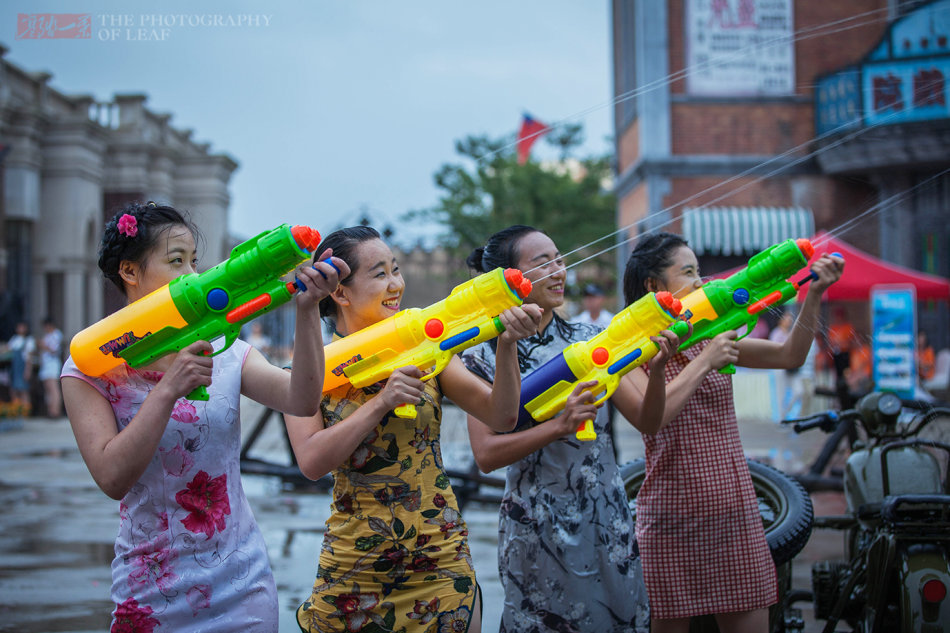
x=426, y=337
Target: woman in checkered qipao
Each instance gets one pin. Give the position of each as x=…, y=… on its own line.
x=567, y=557
x=698, y=526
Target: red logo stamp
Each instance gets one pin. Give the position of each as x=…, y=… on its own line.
x=51, y=26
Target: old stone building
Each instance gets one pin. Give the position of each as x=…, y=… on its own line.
x=66, y=163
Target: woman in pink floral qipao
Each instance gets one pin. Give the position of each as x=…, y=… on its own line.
x=189, y=555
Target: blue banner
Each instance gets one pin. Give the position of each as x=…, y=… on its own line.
x=893, y=338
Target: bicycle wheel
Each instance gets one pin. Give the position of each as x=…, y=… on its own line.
x=785, y=507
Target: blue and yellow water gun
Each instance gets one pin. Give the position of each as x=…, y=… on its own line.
x=604, y=359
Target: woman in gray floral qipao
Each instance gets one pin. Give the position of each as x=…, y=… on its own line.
x=567, y=554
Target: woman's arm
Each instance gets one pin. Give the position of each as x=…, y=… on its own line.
x=298, y=392
x=497, y=404
x=493, y=450
x=116, y=459
x=642, y=400
x=630, y=397
x=765, y=354
x=320, y=449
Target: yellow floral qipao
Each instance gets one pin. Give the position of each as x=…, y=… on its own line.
x=395, y=554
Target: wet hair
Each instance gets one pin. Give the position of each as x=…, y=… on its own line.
x=650, y=257
x=344, y=243
x=151, y=221
x=501, y=251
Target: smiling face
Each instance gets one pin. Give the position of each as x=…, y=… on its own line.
x=541, y=262
x=173, y=255
x=373, y=292
x=681, y=277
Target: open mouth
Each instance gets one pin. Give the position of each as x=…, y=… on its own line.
x=391, y=304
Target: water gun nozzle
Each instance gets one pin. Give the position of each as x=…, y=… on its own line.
x=518, y=282
x=806, y=247
x=669, y=303
x=306, y=237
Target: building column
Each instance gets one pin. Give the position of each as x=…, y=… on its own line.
x=71, y=203
x=201, y=187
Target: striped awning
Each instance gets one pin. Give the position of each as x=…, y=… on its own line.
x=743, y=230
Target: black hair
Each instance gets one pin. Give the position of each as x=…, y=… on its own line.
x=151, y=221
x=501, y=251
x=650, y=257
x=344, y=243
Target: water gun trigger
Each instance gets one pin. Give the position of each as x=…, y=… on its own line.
x=230, y=335
x=607, y=393
x=441, y=362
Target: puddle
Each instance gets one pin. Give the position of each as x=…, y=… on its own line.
x=38, y=552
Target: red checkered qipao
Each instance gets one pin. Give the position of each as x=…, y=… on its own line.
x=701, y=538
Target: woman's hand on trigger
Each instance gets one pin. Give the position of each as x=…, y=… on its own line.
x=321, y=278
x=721, y=351
x=829, y=269
x=520, y=322
x=403, y=387
x=190, y=369
x=578, y=408
x=668, y=342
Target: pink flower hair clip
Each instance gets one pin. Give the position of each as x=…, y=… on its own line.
x=128, y=225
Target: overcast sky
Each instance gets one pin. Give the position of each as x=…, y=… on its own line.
x=330, y=107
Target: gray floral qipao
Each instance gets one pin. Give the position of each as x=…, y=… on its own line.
x=567, y=554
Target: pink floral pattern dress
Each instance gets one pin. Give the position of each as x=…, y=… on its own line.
x=189, y=555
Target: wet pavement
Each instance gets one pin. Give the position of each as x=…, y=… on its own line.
x=57, y=528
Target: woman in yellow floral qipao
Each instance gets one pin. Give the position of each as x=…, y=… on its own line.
x=395, y=554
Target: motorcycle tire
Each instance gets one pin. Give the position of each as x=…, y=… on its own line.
x=785, y=507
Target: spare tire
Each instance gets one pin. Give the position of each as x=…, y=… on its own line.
x=785, y=507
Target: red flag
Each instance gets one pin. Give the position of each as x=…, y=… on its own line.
x=531, y=130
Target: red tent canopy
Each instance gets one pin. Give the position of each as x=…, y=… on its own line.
x=861, y=271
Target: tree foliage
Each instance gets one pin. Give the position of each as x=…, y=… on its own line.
x=567, y=199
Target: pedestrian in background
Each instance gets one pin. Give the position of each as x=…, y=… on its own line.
x=21, y=347
x=926, y=358
x=594, y=312
x=51, y=365
x=189, y=555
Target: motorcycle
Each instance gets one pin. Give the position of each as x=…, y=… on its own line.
x=897, y=525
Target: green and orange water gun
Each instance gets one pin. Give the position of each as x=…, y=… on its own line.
x=205, y=306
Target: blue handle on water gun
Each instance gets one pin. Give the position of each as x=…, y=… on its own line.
x=812, y=275
x=303, y=288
